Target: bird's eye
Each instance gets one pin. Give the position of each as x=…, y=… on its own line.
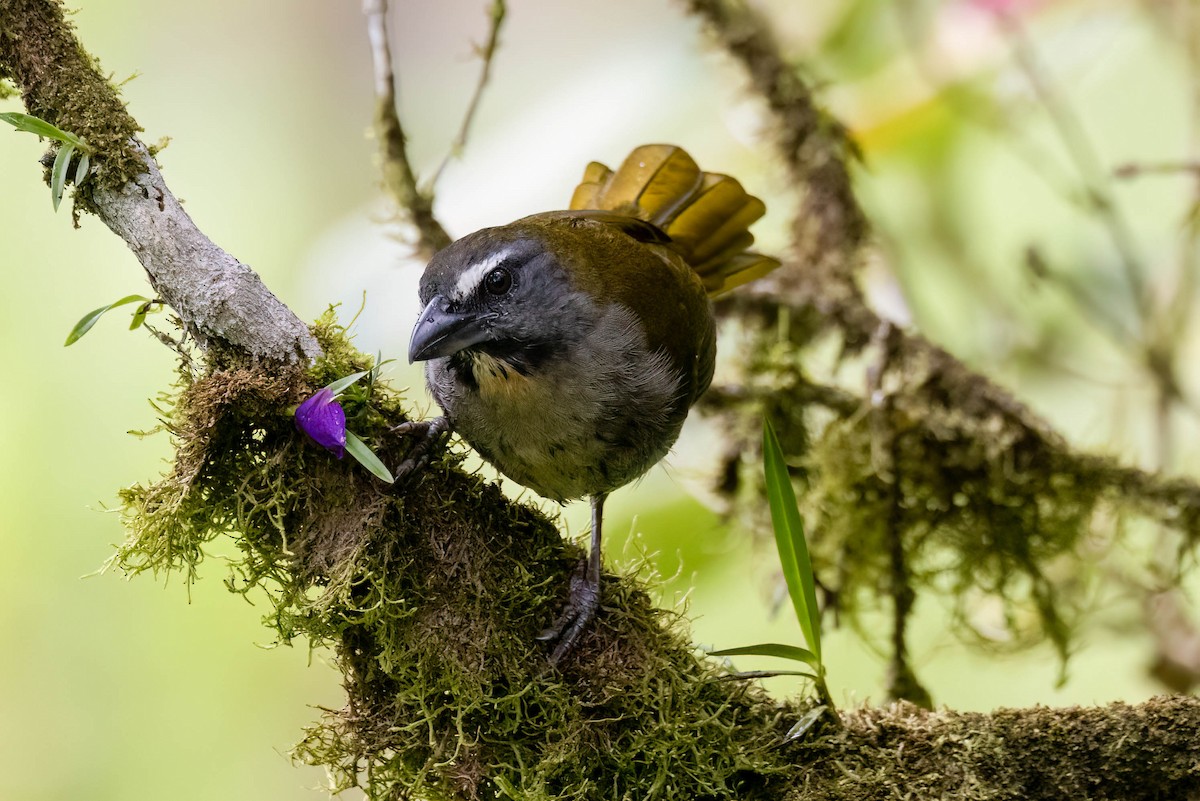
x=498, y=281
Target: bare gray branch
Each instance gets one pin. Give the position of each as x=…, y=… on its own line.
x=219, y=299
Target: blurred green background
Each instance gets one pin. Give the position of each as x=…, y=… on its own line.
x=148, y=688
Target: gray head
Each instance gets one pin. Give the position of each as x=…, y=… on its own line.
x=500, y=291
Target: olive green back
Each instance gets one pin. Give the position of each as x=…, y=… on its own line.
x=706, y=215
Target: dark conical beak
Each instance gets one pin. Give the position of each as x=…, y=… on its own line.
x=442, y=332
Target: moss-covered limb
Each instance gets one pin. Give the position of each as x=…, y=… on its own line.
x=816, y=291
x=993, y=499
x=986, y=501
x=62, y=84
x=1115, y=753
x=432, y=593
x=221, y=302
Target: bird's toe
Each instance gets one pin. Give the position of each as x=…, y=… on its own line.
x=575, y=615
x=427, y=433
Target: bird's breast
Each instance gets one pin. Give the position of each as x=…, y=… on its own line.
x=593, y=417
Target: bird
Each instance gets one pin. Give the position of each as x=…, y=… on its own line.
x=567, y=347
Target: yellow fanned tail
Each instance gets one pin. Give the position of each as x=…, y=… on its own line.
x=587, y=194
x=706, y=215
x=739, y=270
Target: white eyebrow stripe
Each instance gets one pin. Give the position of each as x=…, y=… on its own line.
x=468, y=282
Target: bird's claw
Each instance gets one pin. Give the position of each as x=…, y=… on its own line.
x=428, y=432
x=579, y=609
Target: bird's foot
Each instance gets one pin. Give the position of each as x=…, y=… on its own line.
x=580, y=608
x=428, y=433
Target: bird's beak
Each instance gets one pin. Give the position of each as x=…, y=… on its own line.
x=442, y=332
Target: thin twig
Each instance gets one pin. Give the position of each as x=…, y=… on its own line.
x=1091, y=309
x=496, y=15
x=1154, y=345
x=1177, y=641
x=398, y=175
x=1138, y=169
x=991, y=118
x=1083, y=153
x=1180, y=307
x=831, y=230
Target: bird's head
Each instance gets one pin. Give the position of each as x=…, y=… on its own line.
x=502, y=291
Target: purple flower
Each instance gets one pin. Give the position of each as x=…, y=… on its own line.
x=322, y=418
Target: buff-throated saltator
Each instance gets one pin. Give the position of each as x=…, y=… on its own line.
x=568, y=346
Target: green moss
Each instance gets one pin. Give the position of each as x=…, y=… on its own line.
x=431, y=593
x=62, y=84
x=1132, y=753
x=973, y=514
x=923, y=487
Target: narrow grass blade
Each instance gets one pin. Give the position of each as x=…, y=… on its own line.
x=337, y=387
x=89, y=319
x=794, y=652
x=744, y=675
x=789, y=539
x=367, y=458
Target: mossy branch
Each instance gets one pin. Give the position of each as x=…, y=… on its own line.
x=221, y=302
x=431, y=593
x=431, y=596
x=974, y=470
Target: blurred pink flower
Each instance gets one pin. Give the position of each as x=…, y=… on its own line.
x=1003, y=7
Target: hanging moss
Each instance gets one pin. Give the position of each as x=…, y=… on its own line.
x=974, y=513
x=978, y=501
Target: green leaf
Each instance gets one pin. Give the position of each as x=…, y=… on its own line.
x=793, y=652
x=367, y=458
x=139, y=314
x=58, y=173
x=89, y=319
x=35, y=125
x=81, y=169
x=770, y=674
x=337, y=387
x=805, y=723
x=378, y=368
x=789, y=539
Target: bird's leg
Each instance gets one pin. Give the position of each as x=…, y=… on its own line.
x=585, y=594
x=428, y=432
